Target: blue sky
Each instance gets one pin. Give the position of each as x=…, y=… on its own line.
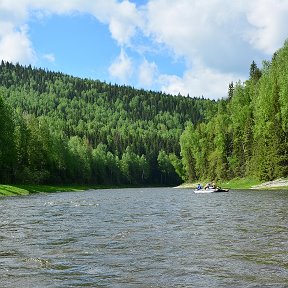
x=190, y=47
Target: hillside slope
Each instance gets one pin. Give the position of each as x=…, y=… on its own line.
x=105, y=119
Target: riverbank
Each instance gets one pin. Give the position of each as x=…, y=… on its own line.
x=281, y=183
x=237, y=184
x=27, y=189
x=22, y=190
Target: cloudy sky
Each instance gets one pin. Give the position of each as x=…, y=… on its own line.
x=194, y=47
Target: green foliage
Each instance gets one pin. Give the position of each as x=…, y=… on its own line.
x=26, y=189
x=168, y=166
x=7, y=143
x=248, y=134
x=187, y=142
x=56, y=128
x=255, y=72
x=134, y=168
x=63, y=129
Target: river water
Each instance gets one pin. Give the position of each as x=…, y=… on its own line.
x=160, y=237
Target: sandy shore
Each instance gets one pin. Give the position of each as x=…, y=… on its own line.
x=272, y=184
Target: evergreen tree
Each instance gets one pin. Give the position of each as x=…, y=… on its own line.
x=7, y=144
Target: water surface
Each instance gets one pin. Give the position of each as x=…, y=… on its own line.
x=161, y=237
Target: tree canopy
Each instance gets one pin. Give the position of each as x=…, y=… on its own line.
x=63, y=129
x=248, y=134
x=56, y=128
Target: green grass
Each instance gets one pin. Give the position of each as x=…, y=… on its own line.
x=16, y=190
x=26, y=189
x=9, y=190
x=237, y=183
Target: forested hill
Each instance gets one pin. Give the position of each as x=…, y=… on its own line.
x=62, y=129
x=249, y=134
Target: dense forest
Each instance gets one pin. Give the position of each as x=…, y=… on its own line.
x=59, y=129
x=248, y=137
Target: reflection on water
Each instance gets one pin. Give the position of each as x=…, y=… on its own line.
x=145, y=238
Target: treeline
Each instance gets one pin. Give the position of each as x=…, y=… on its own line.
x=249, y=134
x=56, y=128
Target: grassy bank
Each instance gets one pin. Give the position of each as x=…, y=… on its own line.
x=27, y=189
x=17, y=190
x=244, y=183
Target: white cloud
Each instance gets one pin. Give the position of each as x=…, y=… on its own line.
x=50, y=57
x=122, y=18
x=15, y=46
x=186, y=26
x=191, y=28
x=13, y=11
x=222, y=35
x=269, y=24
x=124, y=21
x=122, y=67
x=147, y=73
x=201, y=81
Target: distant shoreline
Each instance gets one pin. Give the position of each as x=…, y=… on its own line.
x=29, y=189
x=280, y=183
x=22, y=190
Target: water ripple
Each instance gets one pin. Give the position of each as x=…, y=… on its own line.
x=145, y=238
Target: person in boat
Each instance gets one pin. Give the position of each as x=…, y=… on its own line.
x=207, y=186
x=199, y=187
x=210, y=186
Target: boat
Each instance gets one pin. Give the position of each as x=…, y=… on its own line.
x=211, y=190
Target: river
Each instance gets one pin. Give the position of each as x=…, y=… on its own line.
x=152, y=237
